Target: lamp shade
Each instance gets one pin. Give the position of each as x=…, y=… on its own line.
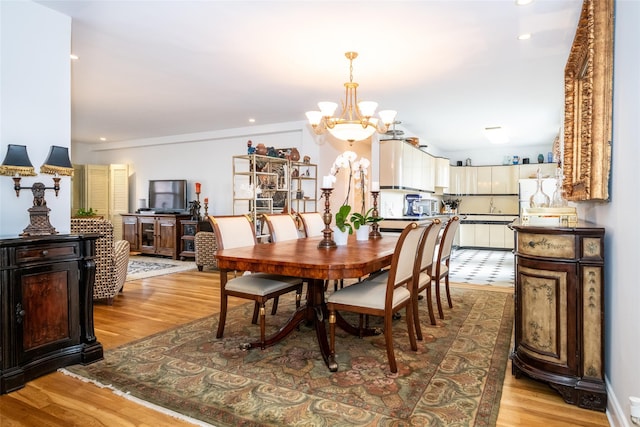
x=17, y=162
x=57, y=162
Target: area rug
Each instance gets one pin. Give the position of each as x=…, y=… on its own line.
x=142, y=267
x=455, y=377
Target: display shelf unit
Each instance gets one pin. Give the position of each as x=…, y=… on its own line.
x=304, y=187
x=188, y=230
x=261, y=185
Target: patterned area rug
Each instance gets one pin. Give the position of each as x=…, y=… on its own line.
x=141, y=267
x=455, y=377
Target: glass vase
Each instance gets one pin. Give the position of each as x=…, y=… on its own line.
x=539, y=199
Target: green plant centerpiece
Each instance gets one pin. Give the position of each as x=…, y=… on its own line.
x=342, y=219
x=82, y=212
x=358, y=219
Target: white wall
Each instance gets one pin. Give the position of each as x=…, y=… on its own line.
x=36, y=105
x=622, y=298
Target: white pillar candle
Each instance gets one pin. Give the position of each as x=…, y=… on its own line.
x=327, y=182
x=375, y=186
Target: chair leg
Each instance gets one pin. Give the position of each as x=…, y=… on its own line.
x=388, y=339
x=446, y=285
x=256, y=310
x=298, y=296
x=274, y=309
x=223, y=315
x=432, y=316
x=416, y=318
x=263, y=325
x=410, y=324
x=332, y=334
x=438, y=300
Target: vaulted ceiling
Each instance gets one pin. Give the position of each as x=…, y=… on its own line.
x=450, y=68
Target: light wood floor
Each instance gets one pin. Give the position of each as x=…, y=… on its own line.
x=151, y=305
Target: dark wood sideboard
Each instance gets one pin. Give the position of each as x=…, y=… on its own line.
x=559, y=310
x=46, y=306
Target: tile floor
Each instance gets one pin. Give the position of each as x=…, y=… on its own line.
x=482, y=267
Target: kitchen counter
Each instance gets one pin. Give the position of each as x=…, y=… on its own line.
x=487, y=218
x=397, y=224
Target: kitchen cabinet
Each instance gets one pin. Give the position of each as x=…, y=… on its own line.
x=47, y=306
x=486, y=232
x=442, y=172
x=156, y=234
x=483, y=178
x=559, y=310
x=504, y=180
x=406, y=167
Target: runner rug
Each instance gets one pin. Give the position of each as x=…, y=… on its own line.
x=142, y=267
x=455, y=377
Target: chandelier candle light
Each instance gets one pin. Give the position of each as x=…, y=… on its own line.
x=356, y=121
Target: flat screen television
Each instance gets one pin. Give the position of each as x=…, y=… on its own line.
x=168, y=196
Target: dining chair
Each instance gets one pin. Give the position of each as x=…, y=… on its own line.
x=282, y=227
x=238, y=231
x=422, y=277
x=313, y=223
x=441, y=263
x=384, y=294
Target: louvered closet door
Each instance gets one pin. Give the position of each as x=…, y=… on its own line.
x=97, y=189
x=118, y=196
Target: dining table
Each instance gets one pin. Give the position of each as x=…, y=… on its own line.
x=303, y=258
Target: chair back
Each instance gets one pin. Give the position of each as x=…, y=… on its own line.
x=428, y=246
x=313, y=223
x=405, y=258
x=282, y=227
x=444, y=252
x=233, y=231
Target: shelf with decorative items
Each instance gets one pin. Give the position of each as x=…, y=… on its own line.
x=304, y=188
x=261, y=185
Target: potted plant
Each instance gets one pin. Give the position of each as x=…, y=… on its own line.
x=343, y=226
x=361, y=223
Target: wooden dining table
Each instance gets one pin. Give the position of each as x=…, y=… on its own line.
x=302, y=258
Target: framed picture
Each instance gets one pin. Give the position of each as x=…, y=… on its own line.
x=588, y=102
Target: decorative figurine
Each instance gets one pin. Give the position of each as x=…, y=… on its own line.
x=250, y=149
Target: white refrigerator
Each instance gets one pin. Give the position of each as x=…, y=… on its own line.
x=527, y=187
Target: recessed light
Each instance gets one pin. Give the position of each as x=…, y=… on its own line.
x=102, y=138
x=74, y=57
x=525, y=36
x=523, y=2
x=252, y=120
x=496, y=134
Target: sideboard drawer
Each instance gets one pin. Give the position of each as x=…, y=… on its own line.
x=561, y=246
x=47, y=253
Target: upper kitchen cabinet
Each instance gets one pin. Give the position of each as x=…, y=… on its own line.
x=442, y=172
x=406, y=167
x=483, y=180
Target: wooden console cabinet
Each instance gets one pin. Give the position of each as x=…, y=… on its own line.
x=559, y=310
x=156, y=234
x=46, y=306
x=188, y=230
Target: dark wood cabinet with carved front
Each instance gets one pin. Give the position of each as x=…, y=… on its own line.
x=46, y=306
x=559, y=310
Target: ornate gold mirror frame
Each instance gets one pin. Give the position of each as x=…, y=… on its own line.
x=588, y=79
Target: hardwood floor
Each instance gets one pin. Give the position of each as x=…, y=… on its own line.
x=151, y=305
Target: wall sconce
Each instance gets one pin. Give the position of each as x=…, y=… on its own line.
x=17, y=164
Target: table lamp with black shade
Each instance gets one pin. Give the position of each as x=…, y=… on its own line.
x=17, y=164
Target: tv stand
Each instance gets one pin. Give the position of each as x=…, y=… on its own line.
x=154, y=234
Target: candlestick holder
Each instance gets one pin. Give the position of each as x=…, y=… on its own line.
x=206, y=208
x=327, y=241
x=375, y=233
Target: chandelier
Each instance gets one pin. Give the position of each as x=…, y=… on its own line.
x=356, y=121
